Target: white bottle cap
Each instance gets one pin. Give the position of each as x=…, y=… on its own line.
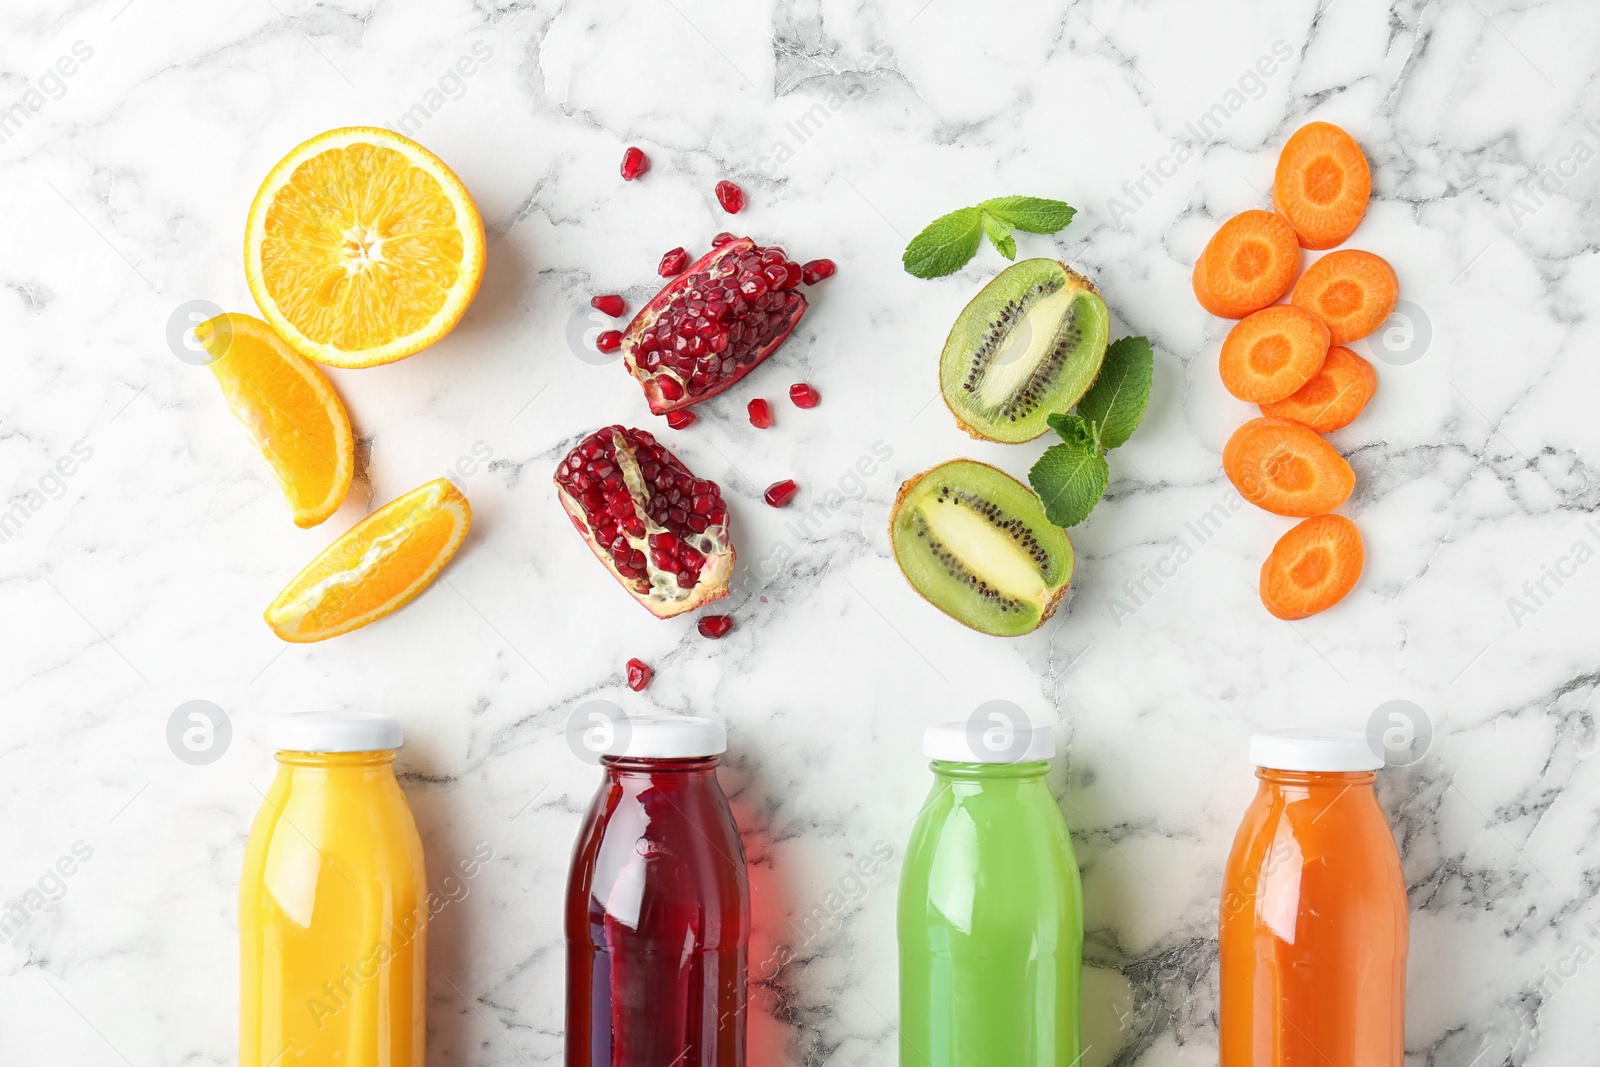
x=667, y=737
x=977, y=741
x=1314, y=750
x=334, y=731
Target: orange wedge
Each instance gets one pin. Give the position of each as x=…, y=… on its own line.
x=290, y=410
x=362, y=247
x=380, y=564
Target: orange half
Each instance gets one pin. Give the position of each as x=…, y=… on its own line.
x=290, y=410
x=362, y=247
x=378, y=565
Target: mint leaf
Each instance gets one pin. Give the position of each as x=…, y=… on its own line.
x=999, y=232
x=1075, y=430
x=1116, y=401
x=1031, y=213
x=945, y=244
x=1070, y=477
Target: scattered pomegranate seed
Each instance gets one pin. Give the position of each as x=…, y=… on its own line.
x=722, y=238
x=611, y=304
x=609, y=341
x=639, y=674
x=715, y=626
x=731, y=197
x=803, y=395
x=816, y=270
x=634, y=163
x=679, y=419
x=760, y=414
x=779, y=494
x=673, y=263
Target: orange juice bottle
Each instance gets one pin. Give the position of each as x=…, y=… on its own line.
x=1313, y=919
x=333, y=912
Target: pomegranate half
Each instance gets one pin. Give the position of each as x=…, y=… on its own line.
x=660, y=531
x=713, y=324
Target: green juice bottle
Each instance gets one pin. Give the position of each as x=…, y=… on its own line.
x=991, y=908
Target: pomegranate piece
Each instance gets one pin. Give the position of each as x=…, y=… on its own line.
x=714, y=626
x=779, y=494
x=731, y=197
x=804, y=396
x=610, y=304
x=680, y=419
x=639, y=675
x=673, y=263
x=634, y=163
x=816, y=270
x=660, y=531
x=713, y=324
x=760, y=414
x=609, y=341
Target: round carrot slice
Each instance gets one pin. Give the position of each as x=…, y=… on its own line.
x=1247, y=264
x=1333, y=397
x=1312, y=567
x=1285, y=468
x=1350, y=290
x=1322, y=184
x=1271, y=354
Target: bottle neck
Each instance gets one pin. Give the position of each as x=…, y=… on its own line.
x=1315, y=779
x=990, y=772
x=381, y=761
x=629, y=767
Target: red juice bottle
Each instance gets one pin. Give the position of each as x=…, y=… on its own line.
x=658, y=906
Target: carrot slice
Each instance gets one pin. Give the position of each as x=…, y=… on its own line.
x=1285, y=468
x=1312, y=567
x=1248, y=263
x=1271, y=354
x=1333, y=397
x=1322, y=184
x=1350, y=290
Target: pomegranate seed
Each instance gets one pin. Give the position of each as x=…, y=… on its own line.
x=817, y=270
x=670, y=388
x=715, y=626
x=760, y=414
x=722, y=238
x=611, y=304
x=673, y=263
x=779, y=494
x=634, y=163
x=680, y=419
x=639, y=674
x=730, y=196
x=609, y=341
x=803, y=395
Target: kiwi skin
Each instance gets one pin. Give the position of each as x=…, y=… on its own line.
x=1074, y=278
x=907, y=487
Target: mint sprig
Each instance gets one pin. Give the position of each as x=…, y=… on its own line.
x=1071, y=477
x=946, y=244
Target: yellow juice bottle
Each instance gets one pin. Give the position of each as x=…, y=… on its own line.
x=333, y=908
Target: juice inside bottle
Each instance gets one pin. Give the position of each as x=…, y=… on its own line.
x=990, y=912
x=658, y=907
x=1313, y=918
x=332, y=904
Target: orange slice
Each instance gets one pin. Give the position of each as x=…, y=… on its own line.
x=379, y=564
x=290, y=410
x=362, y=247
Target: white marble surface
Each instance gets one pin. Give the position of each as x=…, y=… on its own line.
x=137, y=583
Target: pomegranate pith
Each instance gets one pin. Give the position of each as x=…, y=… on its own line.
x=730, y=196
x=610, y=304
x=804, y=396
x=609, y=340
x=679, y=419
x=779, y=494
x=715, y=626
x=673, y=263
x=639, y=675
x=816, y=270
x=713, y=324
x=660, y=531
x=760, y=414
x=634, y=163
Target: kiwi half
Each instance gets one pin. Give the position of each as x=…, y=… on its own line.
x=1029, y=345
x=975, y=543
